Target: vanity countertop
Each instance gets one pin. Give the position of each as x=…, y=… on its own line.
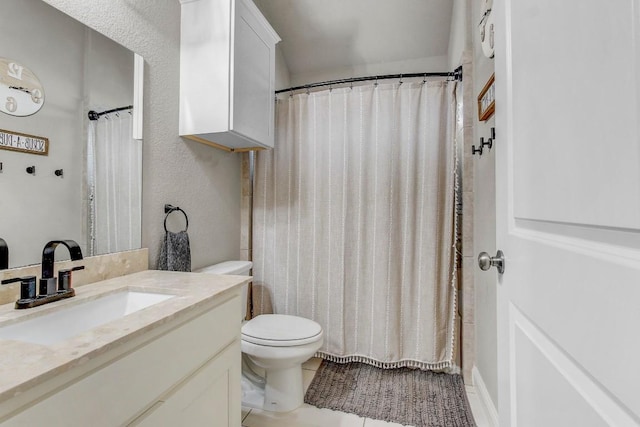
x=25, y=365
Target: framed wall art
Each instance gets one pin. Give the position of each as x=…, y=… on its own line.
x=17, y=141
x=487, y=100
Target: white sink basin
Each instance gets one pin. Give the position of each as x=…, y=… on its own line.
x=65, y=323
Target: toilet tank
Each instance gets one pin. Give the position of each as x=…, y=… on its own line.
x=238, y=268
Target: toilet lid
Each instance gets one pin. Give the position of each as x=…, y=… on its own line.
x=281, y=330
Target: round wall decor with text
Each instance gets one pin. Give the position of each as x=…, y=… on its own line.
x=21, y=93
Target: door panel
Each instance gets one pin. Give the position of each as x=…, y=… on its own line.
x=210, y=396
x=568, y=211
x=579, y=303
x=574, y=129
x=535, y=354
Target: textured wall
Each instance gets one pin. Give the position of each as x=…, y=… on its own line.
x=484, y=224
x=283, y=79
x=419, y=65
x=460, y=35
x=205, y=182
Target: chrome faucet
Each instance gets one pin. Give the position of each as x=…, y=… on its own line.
x=4, y=254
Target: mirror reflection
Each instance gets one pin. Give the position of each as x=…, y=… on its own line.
x=87, y=185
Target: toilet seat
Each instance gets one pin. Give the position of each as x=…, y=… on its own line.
x=281, y=330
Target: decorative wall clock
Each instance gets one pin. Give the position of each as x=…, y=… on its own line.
x=486, y=28
x=21, y=93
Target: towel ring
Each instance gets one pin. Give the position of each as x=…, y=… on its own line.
x=168, y=209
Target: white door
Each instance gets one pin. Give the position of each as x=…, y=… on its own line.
x=568, y=211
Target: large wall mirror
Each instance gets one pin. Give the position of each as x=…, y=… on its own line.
x=87, y=187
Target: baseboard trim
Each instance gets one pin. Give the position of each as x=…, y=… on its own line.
x=483, y=393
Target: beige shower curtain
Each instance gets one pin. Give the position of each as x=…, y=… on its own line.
x=354, y=221
x=114, y=185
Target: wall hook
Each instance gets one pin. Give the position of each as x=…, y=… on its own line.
x=487, y=143
x=475, y=150
x=31, y=170
x=59, y=172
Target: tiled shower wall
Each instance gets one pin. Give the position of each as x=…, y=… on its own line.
x=245, y=209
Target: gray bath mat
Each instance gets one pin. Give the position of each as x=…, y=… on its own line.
x=405, y=396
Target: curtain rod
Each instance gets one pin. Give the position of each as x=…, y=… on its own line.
x=93, y=115
x=456, y=74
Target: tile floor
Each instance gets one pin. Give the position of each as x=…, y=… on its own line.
x=310, y=416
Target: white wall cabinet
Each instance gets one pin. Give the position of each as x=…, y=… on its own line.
x=227, y=74
x=186, y=373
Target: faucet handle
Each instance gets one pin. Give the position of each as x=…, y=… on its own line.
x=27, y=286
x=65, y=278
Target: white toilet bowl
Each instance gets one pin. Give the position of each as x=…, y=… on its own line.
x=277, y=345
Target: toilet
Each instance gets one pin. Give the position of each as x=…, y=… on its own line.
x=274, y=347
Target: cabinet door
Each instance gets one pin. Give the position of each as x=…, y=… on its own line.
x=211, y=396
x=253, y=73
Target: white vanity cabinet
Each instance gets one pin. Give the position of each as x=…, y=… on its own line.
x=227, y=74
x=203, y=398
x=184, y=372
